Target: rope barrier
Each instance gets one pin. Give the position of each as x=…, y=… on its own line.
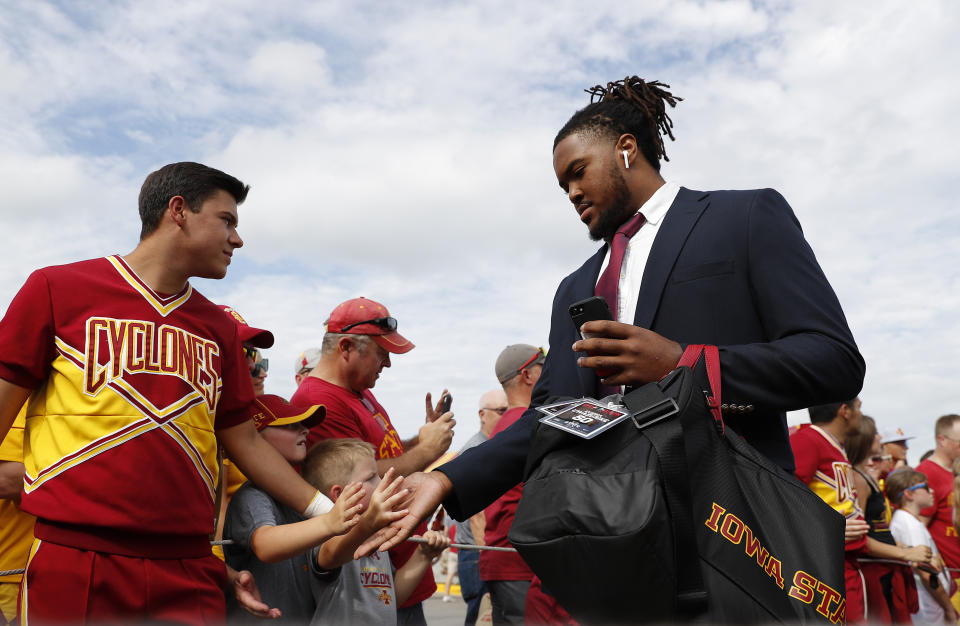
x=466, y=546
x=230, y=542
x=922, y=566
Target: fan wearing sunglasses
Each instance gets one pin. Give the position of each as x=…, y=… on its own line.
x=889, y=586
x=909, y=490
x=253, y=340
x=361, y=337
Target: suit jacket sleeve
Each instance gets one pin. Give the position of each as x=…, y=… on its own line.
x=810, y=356
x=483, y=473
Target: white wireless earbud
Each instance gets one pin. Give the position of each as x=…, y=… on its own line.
x=626, y=163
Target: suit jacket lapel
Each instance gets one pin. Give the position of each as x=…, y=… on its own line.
x=677, y=223
x=583, y=288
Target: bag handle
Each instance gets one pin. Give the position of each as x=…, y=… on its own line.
x=711, y=360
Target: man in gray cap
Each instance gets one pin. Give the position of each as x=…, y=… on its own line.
x=505, y=574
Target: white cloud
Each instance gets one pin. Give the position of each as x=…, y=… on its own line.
x=289, y=66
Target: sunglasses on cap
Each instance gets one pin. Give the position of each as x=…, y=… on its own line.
x=386, y=323
x=538, y=354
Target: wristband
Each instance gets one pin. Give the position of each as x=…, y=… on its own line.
x=318, y=506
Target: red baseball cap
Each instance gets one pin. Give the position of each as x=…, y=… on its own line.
x=362, y=316
x=248, y=334
x=275, y=411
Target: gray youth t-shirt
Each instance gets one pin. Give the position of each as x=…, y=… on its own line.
x=358, y=593
x=284, y=585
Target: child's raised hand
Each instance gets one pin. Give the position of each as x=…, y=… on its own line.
x=436, y=543
x=345, y=513
x=385, y=497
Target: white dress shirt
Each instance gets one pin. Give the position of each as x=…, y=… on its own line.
x=638, y=250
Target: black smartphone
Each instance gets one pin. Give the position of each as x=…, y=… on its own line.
x=588, y=310
x=445, y=403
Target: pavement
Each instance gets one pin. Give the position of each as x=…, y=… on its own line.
x=440, y=613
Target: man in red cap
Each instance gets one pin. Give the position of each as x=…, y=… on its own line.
x=356, y=347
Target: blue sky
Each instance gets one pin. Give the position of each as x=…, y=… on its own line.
x=404, y=154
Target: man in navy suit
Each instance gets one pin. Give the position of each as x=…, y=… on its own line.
x=726, y=268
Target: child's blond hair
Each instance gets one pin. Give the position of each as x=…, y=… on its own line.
x=331, y=462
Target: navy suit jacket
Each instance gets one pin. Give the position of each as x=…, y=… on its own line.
x=727, y=268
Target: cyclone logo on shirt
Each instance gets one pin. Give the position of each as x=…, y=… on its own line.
x=845, y=490
x=115, y=347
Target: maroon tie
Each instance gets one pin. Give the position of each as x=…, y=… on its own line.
x=609, y=283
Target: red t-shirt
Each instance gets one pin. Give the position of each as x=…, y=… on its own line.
x=941, y=513
x=349, y=415
x=130, y=386
x=499, y=515
x=360, y=416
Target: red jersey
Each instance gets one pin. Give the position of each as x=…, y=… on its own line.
x=500, y=514
x=823, y=466
x=360, y=416
x=941, y=513
x=130, y=386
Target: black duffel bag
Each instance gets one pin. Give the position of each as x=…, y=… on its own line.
x=670, y=516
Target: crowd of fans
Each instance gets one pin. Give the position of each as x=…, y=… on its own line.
x=132, y=430
x=902, y=557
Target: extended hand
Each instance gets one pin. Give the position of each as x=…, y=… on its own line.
x=346, y=510
x=248, y=596
x=426, y=492
x=384, y=503
x=634, y=356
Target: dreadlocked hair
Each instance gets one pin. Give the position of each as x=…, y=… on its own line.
x=629, y=106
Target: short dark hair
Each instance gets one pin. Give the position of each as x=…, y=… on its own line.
x=823, y=413
x=630, y=106
x=195, y=182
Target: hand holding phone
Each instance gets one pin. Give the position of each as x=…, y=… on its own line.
x=446, y=401
x=589, y=310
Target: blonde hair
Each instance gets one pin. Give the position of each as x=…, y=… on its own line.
x=331, y=462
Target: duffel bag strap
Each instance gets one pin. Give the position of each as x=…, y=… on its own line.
x=711, y=360
x=666, y=436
